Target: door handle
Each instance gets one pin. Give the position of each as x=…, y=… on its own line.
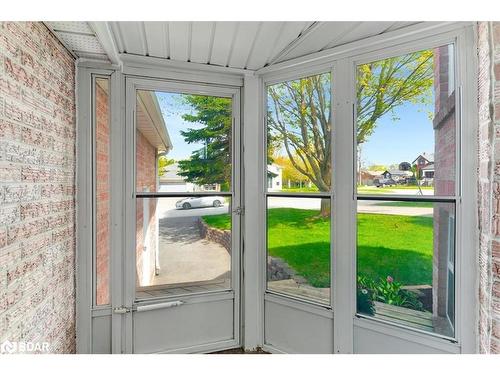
x=157, y=306
x=121, y=310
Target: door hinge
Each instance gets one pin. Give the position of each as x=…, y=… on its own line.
x=122, y=310
x=239, y=210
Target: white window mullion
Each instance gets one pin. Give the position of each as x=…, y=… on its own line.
x=344, y=220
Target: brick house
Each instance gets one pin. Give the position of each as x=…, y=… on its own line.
x=423, y=160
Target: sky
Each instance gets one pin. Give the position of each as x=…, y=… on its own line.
x=172, y=109
x=393, y=142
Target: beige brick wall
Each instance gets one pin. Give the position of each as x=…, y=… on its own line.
x=489, y=186
x=37, y=172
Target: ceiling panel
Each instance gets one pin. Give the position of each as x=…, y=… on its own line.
x=319, y=38
x=201, y=41
x=157, y=38
x=289, y=33
x=264, y=44
x=179, y=34
x=246, y=45
x=365, y=30
x=69, y=26
x=133, y=42
x=79, y=39
x=243, y=44
x=223, y=37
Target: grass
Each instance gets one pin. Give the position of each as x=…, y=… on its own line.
x=399, y=246
x=218, y=221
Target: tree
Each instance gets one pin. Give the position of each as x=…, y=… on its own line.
x=163, y=162
x=377, y=167
x=211, y=164
x=299, y=111
x=386, y=84
x=290, y=173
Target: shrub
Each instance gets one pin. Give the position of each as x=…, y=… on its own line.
x=390, y=292
x=364, y=302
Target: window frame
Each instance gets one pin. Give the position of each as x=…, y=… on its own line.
x=343, y=61
x=456, y=199
x=314, y=304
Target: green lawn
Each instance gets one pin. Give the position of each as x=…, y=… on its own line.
x=399, y=246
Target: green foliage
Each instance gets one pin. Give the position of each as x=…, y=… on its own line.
x=210, y=164
x=290, y=173
x=222, y=221
x=364, y=301
x=299, y=116
x=396, y=245
x=386, y=84
x=378, y=167
x=388, y=291
x=299, y=121
x=163, y=162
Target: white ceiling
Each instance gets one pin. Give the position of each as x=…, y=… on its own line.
x=79, y=38
x=244, y=45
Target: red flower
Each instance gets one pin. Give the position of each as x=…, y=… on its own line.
x=389, y=279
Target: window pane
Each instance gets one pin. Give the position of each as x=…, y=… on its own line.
x=102, y=181
x=405, y=272
x=406, y=138
x=183, y=245
x=183, y=142
x=299, y=135
x=298, y=247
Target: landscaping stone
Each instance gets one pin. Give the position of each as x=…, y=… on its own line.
x=222, y=237
x=278, y=269
x=424, y=294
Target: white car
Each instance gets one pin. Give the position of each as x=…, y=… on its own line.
x=196, y=202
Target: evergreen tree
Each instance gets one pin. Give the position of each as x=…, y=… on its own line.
x=210, y=164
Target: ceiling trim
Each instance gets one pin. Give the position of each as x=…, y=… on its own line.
x=104, y=34
x=128, y=58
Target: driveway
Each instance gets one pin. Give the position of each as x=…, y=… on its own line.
x=184, y=256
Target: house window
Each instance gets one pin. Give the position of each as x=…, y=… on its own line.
x=405, y=234
x=299, y=141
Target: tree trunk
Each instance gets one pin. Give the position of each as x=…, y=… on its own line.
x=325, y=207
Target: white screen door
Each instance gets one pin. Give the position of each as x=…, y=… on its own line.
x=181, y=265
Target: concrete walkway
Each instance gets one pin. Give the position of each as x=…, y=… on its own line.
x=184, y=256
x=373, y=207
